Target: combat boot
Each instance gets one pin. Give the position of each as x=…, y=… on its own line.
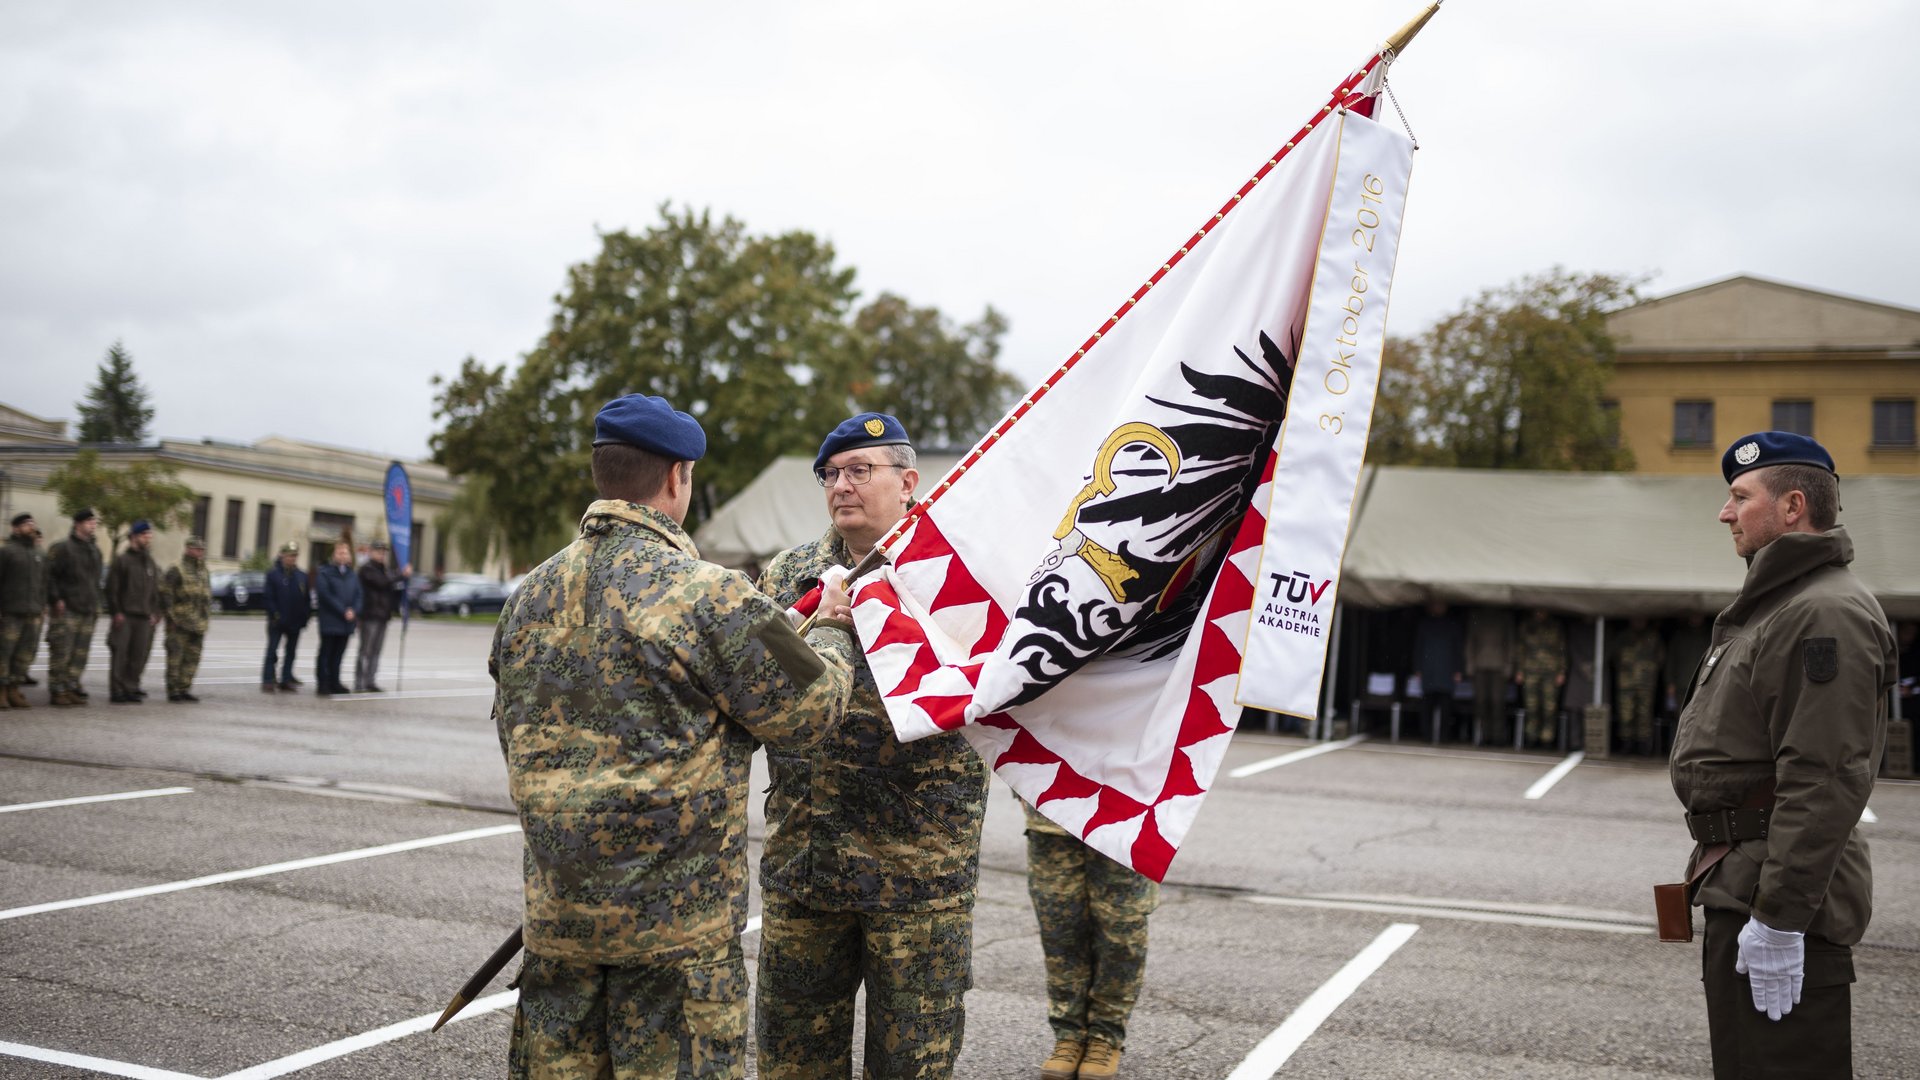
x=1102, y=1061
x=1065, y=1059
x=61, y=697
x=16, y=699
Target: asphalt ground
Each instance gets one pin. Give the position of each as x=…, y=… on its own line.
x=335, y=868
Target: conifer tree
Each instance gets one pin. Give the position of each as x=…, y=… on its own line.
x=116, y=409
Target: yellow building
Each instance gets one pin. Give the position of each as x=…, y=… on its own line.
x=1702, y=367
x=249, y=499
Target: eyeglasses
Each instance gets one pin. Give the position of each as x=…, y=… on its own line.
x=858, y=473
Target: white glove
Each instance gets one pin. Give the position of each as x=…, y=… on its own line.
x=1775, y=962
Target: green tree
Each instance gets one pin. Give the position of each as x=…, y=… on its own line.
x=1510, y=381
x=116, y=409
x=121, y=496
x=753, y=335
x=942, y=383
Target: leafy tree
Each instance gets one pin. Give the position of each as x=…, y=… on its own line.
x=116, y=409
x=1510, y=381
x=942, y=384
x=122, y=496
x=753, y=335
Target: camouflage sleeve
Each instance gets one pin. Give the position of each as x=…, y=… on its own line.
x=786, y=691
x=169, y=588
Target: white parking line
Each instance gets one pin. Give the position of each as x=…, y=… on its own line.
x=1545, y=784
x=260, y=871
x=410, y=695
x=1276, y=1048
x=148, y=794
x=1245, y=771
x=1867, y=816
x=91, y=1064
x=1459, y=913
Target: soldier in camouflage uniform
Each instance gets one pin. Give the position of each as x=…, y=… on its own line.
x=23, y=599
x=1637, y=676
x=1093, y=929
x=633, y=683
x=73, y=605
x=873, y=845
x=187, y=594
x=1542, y=672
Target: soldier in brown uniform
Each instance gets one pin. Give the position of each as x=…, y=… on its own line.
x=1787, y=717
x=23, y=600
x=634, y=682
x=133, y=599
x=873, y=845
x=73, y=606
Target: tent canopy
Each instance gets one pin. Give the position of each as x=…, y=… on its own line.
x=1614, y=544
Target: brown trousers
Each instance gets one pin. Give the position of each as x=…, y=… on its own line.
x=130, y=643
x=1813, y=1042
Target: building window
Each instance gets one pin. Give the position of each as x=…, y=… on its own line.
x=1893, y=423
x=1794, y=416
x=1693, y=423
x=263, y=528
x=230, y=542
x=202, y=515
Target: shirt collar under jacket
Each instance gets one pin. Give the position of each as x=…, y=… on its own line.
x=645, y=517
x=835, y=546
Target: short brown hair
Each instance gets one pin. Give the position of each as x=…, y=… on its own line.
x=1821, y=488
x=628, y=472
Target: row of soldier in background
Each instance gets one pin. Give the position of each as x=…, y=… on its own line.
x=67, y=590
x=634, y=682
x=1476, y=672
x=62, y=591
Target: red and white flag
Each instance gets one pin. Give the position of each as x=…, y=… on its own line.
x=1078, y=595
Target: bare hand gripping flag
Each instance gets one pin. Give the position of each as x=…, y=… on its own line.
x=1153, y=536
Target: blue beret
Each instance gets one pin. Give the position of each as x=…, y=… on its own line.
x=1764, y=448
x=140, y=527
x=863, y=430
x=652, y=425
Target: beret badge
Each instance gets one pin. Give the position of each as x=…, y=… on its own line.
x=876, y=428
x=1747, y=453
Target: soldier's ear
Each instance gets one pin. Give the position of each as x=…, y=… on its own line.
x=909, y=479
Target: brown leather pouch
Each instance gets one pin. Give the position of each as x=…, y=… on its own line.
x=1672, y=914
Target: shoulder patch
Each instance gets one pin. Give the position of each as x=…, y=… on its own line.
x=1820, y=656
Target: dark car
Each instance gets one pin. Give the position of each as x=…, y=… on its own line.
x=464, y=597
x=244, y=590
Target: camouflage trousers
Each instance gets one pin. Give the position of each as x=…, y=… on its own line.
x=69, y=636
x=1542, y=700
x=917, y=967
x=593, y=1022
x=183, y=658
x=1093, y=929
x=19, y=640
x=1636, y=710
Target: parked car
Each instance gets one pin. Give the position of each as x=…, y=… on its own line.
x=242, y=590
x=464, y=597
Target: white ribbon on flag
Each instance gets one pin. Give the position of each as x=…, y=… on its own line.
x=1324, y=439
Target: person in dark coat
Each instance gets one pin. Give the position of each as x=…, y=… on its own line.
x=1439, y=653
x=380, y=590
x=133, y=600
x=288, y=610
x=337, y=588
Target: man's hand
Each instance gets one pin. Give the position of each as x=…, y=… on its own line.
x=118, y=620
x=349, y=614
x=1775, y=963
x=59, y=607
x=834, y=601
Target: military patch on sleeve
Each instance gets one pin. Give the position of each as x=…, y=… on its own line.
x=1821, y=658
x=794, y=655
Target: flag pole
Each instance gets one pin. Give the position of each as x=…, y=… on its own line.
x=1397, y=42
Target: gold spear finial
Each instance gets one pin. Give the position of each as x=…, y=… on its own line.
x=1397, y=42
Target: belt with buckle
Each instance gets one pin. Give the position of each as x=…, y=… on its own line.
x=1729, y=826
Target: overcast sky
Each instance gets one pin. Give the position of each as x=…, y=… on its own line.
x=296, y=215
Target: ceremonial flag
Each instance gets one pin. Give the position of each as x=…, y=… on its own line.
x=1077, y=595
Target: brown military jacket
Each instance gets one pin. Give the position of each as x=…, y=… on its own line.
x=863, y=821
x=633, y=680
x=186, y=594
x=1793, y=687
x=133, y=585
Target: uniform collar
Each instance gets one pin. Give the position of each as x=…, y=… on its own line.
x=646, y=517
x=1793, y=556
x=836, y=548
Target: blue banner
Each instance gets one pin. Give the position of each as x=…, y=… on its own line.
x=399, y=500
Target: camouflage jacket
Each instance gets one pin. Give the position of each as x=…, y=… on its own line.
x=863, y=821
x=1542, y=645
x=1638, y=662
x=187, y=595
x=633, y=680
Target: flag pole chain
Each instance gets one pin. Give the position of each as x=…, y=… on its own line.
x=1387, y=85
